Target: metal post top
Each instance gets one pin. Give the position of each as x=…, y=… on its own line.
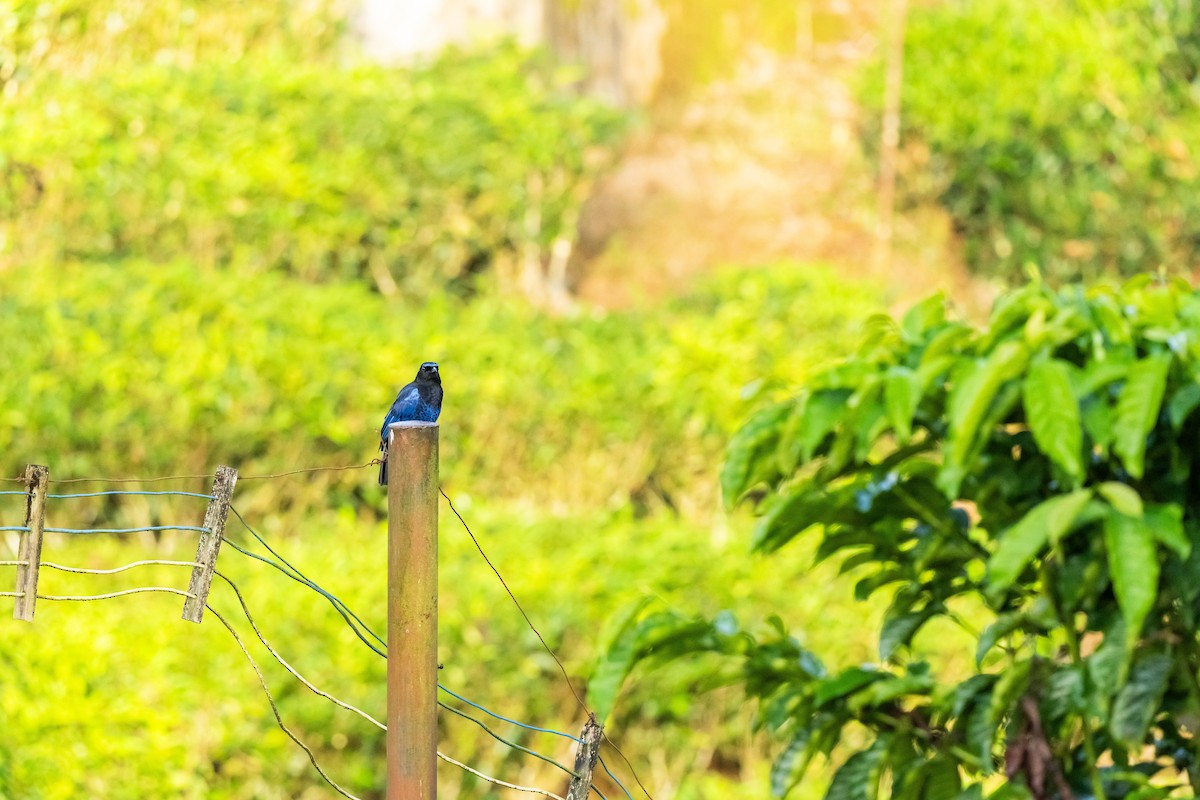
x=412, y=423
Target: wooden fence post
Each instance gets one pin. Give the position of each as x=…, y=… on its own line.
x=210, y=543
x=889, y=145
x=37, y=478
x=585, y=760
x=412, y=611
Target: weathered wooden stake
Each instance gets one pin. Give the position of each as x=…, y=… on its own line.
x=585, y=760
x=890, y=135
x=412, y=611
x=37, y=478
x=210, y=543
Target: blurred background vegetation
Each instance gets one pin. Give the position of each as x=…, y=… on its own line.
x=226, y=238
x=1062, y=133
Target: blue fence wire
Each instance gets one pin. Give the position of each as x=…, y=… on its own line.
x=126, y=530
x=613, y=778
x=23, y=494
x=118, y=492
x=493, y=714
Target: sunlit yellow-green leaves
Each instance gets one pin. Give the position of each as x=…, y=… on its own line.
x=409, y=180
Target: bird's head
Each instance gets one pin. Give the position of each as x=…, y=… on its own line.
x=428, y=373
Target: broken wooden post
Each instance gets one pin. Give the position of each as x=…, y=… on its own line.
x=210, y=543
x=412, y=611
x=29, y=550
x=585, y=760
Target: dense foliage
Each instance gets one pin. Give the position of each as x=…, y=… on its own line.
x=1062, y=133
x=196, y=367
x=1038, y=474
x=406, y=178
x=561, y=439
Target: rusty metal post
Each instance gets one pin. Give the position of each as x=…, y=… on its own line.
x=412, y=611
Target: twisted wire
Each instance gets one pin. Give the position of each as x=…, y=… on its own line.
x=549, y=650
x=286, y=665
x=138, y=590
x=120, y=492
x=143, y=529
x=517, y=603
x=275, y=709
x=114, y=570
x=496, y=781
x=359, y=712
x=347, y=614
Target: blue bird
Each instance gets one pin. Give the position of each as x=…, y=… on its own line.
x=420, y=400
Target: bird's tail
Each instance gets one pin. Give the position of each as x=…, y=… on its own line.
x=383, y=461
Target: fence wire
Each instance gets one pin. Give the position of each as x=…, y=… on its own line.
x=352, y=620
x=348, y=615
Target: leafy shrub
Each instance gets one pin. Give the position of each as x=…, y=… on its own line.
x=44, y=38
x=1058, y=133
x=146, y=369
x=1039, y=474
x=412, y=177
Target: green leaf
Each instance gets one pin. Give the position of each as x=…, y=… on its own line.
x=974, y=390
x=1045, y=523
x=941, y=779
x=1140, y=697
x=858, y=778
x=949, y=341
x=1166, y=520
x=1053, y=415
x=747, y=448
x=845, y=682
x=923, y=316
x=980, y=733
x=788, y=516
x=883, y=692
x=1096, y=375
x=1011, y=791
x=1062, y=695
x=1099, y=420
x=1009, y=686
x=1137, y=410
x=821, y=414
x=902, y=393
x=1122, y=497
x=615, y=662
x=1133, y=564
x=898, y=629
x=1003, y=626
x=1183, y=403
x=662, y=635
x=1104, y=666
x=788, y=768
x=872, y=583
x=966, y=693
x=813, y=416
